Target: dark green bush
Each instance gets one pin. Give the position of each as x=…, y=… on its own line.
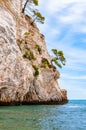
x=29, y=55
x=38, y=48
x=25, y=55
x=36, y=73
x=45, y=63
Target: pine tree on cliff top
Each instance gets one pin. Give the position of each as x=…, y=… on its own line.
x=36, y=15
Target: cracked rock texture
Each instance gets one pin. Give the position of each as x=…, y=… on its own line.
x=17, y=80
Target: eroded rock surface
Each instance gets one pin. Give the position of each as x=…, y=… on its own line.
x=17, y=80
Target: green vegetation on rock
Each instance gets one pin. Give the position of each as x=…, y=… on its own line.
x=29, y=55
x=34, y=13
x=45, y=63
x=38, y=48
x=27, y=33
x=25, y=55
x=59, y=58
x=36, y=73
x=38, y=17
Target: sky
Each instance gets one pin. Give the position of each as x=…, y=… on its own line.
x=65, y=29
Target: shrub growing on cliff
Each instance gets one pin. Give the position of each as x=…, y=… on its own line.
x=29, y=55
x=31, y=2
x=36, y=73
x=35, y=14
x=38, y=17
x=27, y=33
x=25, y=55
x=38, y=48
x=45, y=63
x=59, y=58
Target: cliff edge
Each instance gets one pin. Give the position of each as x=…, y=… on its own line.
x=26, y=73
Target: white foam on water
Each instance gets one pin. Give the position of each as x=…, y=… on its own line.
x=74, y=106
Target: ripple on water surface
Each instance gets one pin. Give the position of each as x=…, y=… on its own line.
x=71, y=116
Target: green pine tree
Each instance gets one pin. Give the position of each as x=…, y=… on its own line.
x=36, y=15
x=59, y=58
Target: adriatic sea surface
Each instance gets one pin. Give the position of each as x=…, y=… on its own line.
x=71, y=116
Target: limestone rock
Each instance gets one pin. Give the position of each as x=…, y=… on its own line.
x=17, y=80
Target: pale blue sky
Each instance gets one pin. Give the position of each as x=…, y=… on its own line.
x=65, y=29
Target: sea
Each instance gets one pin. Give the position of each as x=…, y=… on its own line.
x=71, y=116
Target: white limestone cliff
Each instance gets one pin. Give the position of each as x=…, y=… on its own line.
x=17, y=80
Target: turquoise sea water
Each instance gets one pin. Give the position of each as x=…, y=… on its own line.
x=71, y=116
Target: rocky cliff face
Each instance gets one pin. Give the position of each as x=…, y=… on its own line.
x=26, y=72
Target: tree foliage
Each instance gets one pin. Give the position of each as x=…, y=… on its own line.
x=36, y=69
x=36, y=15
x=38, y=48
x=35, y=2
x=59, y=58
